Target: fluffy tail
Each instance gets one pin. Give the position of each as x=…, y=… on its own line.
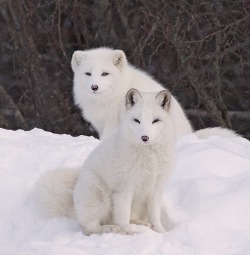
x=54, y=192
x=216, y=131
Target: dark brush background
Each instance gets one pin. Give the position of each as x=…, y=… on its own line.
x=199, y=49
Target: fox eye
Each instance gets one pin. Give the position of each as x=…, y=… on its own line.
x=136, y=120
x=155, y=120
x=105, y=74
x=89, y=74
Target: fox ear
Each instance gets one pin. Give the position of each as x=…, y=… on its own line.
x=132, y=97
x=164, y=99
x=119, y=58
x=77, y=58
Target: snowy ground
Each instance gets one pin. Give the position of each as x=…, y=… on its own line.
x=208, y=199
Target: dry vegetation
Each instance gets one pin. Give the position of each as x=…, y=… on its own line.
x=199, y=49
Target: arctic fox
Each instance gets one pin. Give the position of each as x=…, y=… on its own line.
x=122, y=180
x=102, y=78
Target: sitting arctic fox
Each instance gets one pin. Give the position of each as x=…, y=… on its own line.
x=122, y=180
x=102, y=78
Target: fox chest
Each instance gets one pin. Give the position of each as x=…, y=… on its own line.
x=140, y=174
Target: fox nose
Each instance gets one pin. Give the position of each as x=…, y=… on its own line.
x=145, y=138
x=94, y=87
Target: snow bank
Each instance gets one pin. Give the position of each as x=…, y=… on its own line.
x=207, y=199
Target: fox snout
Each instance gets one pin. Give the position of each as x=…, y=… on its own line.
x=94, y=87
x=144, y=138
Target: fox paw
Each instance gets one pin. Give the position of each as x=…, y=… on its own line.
x=104, y=229
x=111, y=228
x=159, y=229
x=142, y=222
x=129, y=229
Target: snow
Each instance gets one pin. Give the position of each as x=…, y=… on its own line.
x=207, y=199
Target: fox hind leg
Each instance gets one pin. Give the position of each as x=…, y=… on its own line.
x=93, y=208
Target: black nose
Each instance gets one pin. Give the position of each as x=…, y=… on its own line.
x=145, y=138
x=94, y=87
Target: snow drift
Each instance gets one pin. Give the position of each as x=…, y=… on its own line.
x=207, y=199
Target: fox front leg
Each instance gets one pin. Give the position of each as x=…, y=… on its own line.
x=122, y=210
x=154, y=211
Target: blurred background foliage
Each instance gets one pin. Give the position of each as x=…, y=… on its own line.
x=199, y=49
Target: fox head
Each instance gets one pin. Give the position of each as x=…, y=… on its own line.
x=146, y=116
x=97, y=70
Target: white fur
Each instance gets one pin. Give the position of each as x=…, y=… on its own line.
x=215, y=131
x=54, y=192
x=102, y=108
x=122, y=179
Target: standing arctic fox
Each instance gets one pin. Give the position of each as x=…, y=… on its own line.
x=102, y=78
x=122, y=180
